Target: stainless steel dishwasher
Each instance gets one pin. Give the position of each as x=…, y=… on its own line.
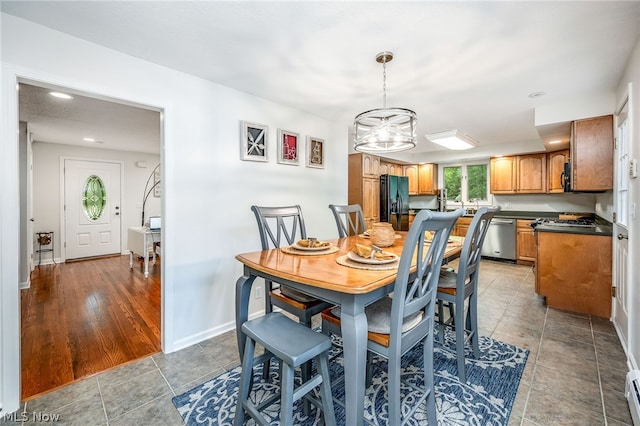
x=500, y=241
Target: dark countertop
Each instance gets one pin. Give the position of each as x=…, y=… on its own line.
x=603, y=227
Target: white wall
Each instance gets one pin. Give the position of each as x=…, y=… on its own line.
x=207, y=189
x=632, y=75
x=47, y=190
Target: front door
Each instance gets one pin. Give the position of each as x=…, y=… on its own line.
x=620, y=228
x=91, y=208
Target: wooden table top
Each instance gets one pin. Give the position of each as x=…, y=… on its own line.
x=324, y=272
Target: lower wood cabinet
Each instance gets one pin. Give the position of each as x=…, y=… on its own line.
x=462, y=226
x=573, y=272
x=525, y=243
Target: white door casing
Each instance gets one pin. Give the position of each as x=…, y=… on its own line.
x=97, y=233
x=620, y=226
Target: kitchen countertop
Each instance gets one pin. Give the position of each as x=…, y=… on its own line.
x=603, y=227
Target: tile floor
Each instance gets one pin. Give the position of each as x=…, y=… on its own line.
x=574, y=376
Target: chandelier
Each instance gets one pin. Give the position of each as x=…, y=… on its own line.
x=385, y=129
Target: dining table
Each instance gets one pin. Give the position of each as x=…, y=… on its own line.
x=329, y=275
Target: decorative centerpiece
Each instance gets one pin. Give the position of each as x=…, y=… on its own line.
x=382, y=234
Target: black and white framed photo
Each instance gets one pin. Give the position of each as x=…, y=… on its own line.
x=254, y=142
x=315, y=152
x=288, y=150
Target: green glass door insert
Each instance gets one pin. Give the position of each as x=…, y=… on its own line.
x=94, y=197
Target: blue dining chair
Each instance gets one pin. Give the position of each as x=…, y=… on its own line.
x=407, y=319
x=455, y=287
x=349, y=219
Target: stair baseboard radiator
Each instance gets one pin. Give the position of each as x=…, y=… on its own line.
x=632, y=392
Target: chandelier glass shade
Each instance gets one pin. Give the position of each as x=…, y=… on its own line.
x=385, y=129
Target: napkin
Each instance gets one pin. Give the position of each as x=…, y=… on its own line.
x=365, y=251
x=313, y=244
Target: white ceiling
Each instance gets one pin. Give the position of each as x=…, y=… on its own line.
x=466, y=65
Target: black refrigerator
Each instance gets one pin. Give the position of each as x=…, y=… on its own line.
x=394, y=201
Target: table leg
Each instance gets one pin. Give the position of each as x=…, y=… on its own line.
x=146, y=262
x=354, y=342
x=243, y=292
x=130, y=259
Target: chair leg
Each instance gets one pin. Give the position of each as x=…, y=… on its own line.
x=286, y=395
x=459, y=319
x=393, y=383
x=429, y=381
x=441, y=322
x=245, y=381
x=369, y=370
x=325, y=391
x=472, y=319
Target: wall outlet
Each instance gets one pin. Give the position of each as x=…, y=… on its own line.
x=259, y=292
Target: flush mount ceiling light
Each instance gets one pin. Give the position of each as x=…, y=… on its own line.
x=453, y=139
x=385, y=129
x=61, y=95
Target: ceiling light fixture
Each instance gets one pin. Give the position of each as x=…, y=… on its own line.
x=88, y=139
x=453, y=139
x=555, y=142
x=61, y=95
x=385, y=130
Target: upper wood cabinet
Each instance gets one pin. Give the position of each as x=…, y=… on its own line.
x=387, y=168
x=411, y=171
x=503, y=172
x=519, y=174
x=366, y=165
x=532, y=173
x=428, y=179
x=592, y=154
x=555, y=168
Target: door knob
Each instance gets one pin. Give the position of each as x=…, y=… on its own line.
x=623, y=237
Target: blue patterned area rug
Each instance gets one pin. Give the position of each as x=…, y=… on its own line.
x=486, y=398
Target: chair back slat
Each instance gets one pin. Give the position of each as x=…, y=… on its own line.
x=349, y=219
x=278, y=225
x=416, y=291
x=473, y=240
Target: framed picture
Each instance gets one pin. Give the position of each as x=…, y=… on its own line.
x=157, y=192
x=315, y=152
x=287, y=147
x=254, y=141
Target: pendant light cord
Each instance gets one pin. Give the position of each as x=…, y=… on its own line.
x=384, y=83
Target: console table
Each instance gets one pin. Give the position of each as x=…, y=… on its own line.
x=141, y=240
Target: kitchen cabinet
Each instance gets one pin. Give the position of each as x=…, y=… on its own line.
x=573, y=272
x=462, y=226
x=555, y=168
x=366, y=165
x=592, y=154
x=428, y=179
x=387, y=168
x=532, y=173
x=503, y=175
x=411, y=171
x=525, y=243
x=363, y=187
x=519, y=174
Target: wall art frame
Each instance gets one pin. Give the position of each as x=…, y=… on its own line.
x=254, y=141
x=315, y=152
x=288, y=147
x=157, y=189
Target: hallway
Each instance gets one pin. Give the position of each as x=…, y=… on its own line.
x=81, y=318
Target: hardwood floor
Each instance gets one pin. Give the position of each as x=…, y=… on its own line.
x=84, y=317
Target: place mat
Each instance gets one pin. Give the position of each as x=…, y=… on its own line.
x=345, y=261
x=367, y=236
x=293, y=250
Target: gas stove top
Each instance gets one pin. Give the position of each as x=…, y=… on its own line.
x=579, y=223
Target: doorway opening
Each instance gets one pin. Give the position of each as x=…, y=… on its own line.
x=83, y=317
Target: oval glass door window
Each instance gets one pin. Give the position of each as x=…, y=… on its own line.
x=94, y=197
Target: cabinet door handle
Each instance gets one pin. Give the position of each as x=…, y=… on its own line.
x=623, y=237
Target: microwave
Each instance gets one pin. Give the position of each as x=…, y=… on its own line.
x=565, y=177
